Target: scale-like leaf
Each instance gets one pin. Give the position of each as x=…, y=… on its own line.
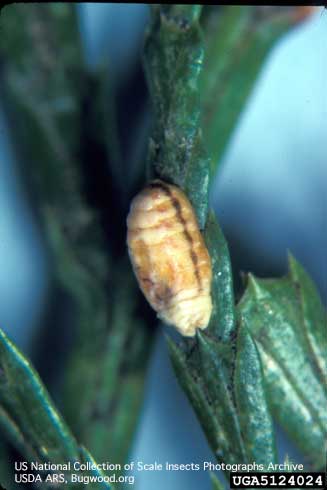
x=173, y=62
x=272, y=310
x=23, y=396
x=217, y=384
x=313, y=316
x=222, y=322
x=29, y=417
x=100, y=482
x=252, y=403
x=191, y=384
x=205, y=366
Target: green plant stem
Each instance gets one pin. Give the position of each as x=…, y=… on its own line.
x=58, y=130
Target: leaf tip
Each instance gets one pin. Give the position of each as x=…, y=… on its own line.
x=255, y=287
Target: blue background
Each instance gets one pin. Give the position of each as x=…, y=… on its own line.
x=270, y=196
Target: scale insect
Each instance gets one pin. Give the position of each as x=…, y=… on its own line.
x=169, y=257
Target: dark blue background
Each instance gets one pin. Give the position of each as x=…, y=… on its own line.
x=270, y=196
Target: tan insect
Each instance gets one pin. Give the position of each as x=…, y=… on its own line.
x=169, y=257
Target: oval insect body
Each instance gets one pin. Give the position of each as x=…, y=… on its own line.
x=169, y=257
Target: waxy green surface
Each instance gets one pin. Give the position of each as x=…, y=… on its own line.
x=29, y=417
x=287, y=322
x=61, y=116
x=264, y=357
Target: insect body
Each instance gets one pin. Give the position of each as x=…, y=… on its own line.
x=169, y=257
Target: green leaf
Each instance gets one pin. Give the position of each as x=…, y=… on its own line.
x=237, y=41
x=116, y=373
x=15, y=435
x=173, y=62
x=29, y=417
x=216, y=382
x=191, y=384
x=313, y=317
x=41, y=80
x=205, y=365
x=60, y=120
x=222, y=322
x=252, y=404
x=23, y=396
x=206, y=381
x=99, y=474
x=271, y=309
x=173, y=59
x=216, y=484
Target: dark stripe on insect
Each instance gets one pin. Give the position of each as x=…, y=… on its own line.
x=177, y=206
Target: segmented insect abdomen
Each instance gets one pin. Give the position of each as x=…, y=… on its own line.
x=169, y=257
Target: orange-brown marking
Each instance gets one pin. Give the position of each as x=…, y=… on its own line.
x=169, y=256
x=179, y=216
